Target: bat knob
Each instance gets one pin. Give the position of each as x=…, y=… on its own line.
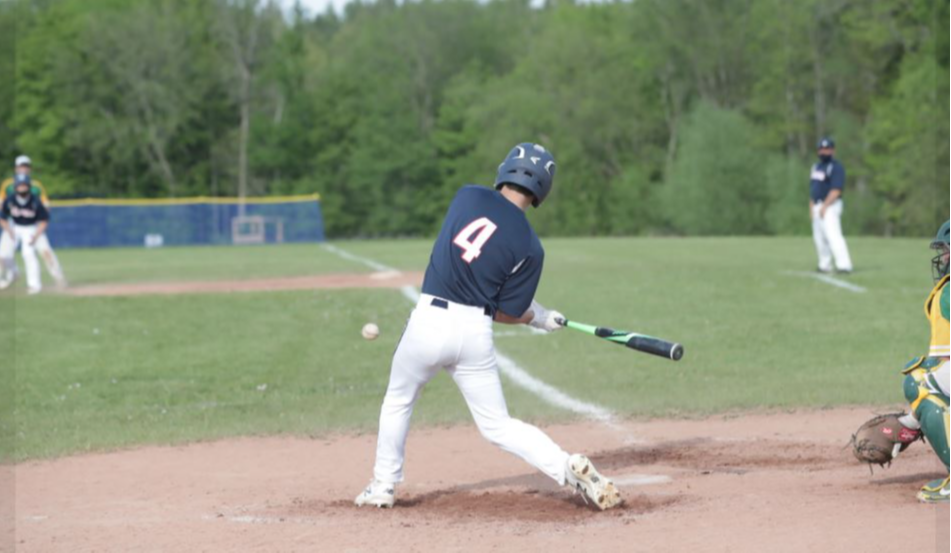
x=561, y=321
x=676, y=352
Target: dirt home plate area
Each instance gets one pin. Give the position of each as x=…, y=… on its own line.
x=752, y=482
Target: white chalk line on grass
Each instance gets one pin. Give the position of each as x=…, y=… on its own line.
x=507, y=366
x=356, y=258
x=829, y=279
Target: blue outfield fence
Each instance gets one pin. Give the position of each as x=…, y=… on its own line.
x=184, y=222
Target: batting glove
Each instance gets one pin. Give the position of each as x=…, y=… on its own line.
x=545, y=319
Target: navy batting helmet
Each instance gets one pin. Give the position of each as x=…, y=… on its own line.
x=825, y=142
x=529, y=166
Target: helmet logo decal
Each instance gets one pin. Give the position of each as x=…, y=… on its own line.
x=515, y=170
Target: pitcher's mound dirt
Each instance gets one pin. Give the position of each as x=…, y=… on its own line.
x=759, y=482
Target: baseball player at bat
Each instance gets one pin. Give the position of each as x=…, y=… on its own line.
x=485, y=266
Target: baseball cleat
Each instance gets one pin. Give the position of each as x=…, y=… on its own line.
x=6, y=283
x=33, y=291
x=936, y=491
x=378, y=494
x=584, y=478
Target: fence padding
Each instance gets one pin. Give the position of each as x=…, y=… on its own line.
x=184, y=221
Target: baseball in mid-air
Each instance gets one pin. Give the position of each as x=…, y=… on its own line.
x=370, y=331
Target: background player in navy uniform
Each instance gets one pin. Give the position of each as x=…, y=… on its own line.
x=24, y=166
x=826, y=185
x=485, y=266
x=24, y=219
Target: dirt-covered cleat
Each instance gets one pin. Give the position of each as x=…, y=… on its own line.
x=936, y=491
x=377, y=494
x=584, y=478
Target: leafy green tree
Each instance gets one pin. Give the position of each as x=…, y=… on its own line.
x=664, y=115
x=908, y=132
x=8, y=43
x=718, y=182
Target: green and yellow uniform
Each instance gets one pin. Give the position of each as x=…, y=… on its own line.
x=927, y=381
x=936, y=309
x=6, y=189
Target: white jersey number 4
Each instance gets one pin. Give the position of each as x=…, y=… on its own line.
x=483, y=229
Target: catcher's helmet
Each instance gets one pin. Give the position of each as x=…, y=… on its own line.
x=941, y=243
x=529, y=166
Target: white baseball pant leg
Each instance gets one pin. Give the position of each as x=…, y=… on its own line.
x=819, y=237
x=8, y=263
x=24, y=235
x=49, y=258
x=458, y=339
x=943, y=377
x=829, y=240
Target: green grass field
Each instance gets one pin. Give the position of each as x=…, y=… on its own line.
x=97, y=373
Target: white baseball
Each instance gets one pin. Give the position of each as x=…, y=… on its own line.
x=370, y=331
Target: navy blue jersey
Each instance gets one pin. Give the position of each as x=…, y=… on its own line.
x=487, y=254
x=825, y=177
x=27, y=213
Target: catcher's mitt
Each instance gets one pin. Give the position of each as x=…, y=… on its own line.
x=881, y=439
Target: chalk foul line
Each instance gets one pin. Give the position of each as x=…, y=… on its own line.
x=357, y=259
x=831, y=280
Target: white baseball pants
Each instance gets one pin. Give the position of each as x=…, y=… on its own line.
x=827, y=234
x=943, y=377
x=48, y=256
x=459, y=340
x=23, y=235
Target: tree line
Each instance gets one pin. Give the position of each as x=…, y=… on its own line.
x=665, y=116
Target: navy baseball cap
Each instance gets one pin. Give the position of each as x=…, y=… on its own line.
x=825, y=143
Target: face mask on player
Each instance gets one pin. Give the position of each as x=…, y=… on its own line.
x=939, y=265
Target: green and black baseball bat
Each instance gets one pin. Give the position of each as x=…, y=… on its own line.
x=640, y=342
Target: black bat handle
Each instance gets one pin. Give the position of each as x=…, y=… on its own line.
x=660, y=348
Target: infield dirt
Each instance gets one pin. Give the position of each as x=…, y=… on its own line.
x=389, y=279
x=780, y=482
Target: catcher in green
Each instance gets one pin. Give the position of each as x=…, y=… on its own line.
x=926, y=388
